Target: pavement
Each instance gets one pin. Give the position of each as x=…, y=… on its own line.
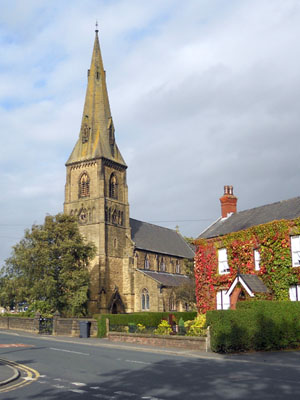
x=8, y=373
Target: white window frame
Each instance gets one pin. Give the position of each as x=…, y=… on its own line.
x=222, y=262
x=257, y=259
x=223, y=300
x=294, y=293
x=295, y=249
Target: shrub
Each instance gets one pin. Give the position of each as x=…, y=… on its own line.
x=255, y=325
x=148, y=319
x=181, y=328
x=196, y=327
x=132, y=327
x=101, y=327
x=164, y=328
x=140, y=328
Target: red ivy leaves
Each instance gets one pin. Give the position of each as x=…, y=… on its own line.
x=272, y=240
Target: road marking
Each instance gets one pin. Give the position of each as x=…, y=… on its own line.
x=15, y=345
x=11, y=333
x=69, y=351
x=104, y=396
x=95, y=387
x=58, y=386
x=32, y=375
x=138, y=362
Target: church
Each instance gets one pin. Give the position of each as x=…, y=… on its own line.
x=138, y=265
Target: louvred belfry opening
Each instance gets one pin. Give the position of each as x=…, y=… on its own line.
x=84, y=185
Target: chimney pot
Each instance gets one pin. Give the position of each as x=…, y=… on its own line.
x=228, y=202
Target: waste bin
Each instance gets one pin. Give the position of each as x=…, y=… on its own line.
x=85, y=327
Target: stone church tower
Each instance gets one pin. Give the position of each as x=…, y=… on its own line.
x=96, y=192
x=138, y=265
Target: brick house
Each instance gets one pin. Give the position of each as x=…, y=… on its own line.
x=249, y=254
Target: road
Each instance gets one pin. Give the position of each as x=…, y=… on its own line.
x=90, y=371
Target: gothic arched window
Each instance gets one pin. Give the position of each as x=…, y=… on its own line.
x=162, y=266
x=146, y=262
x=84, y=185
x=114, y=217
x=113, y=186
x=177, y=267
x=172, y=303
x=145, y=300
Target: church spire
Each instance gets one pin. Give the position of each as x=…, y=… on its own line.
x=96, y=138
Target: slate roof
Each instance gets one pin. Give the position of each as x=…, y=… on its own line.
x=157, y=239
x=166, y=279
x=254, y=283
x=286, y=209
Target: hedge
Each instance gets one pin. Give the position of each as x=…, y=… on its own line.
x=255, y=325
x=149, y=319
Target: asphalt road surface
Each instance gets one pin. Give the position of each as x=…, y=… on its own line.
x=86, y=370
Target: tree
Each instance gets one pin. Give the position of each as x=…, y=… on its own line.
x=187, y=293
x=48, y=268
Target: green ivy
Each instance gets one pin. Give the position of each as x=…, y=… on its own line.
x=273, y=242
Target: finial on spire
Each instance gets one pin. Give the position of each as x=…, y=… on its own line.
x=96, y=30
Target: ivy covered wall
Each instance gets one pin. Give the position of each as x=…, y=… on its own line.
x=273, y=242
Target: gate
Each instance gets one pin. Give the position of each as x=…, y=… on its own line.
x=46, y=326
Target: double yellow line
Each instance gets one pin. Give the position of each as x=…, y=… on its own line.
x=31, y=375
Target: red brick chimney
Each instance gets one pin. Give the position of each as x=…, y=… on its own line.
x=228, y=202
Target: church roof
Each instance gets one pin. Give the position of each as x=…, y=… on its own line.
x=96, y=137
x=166, y=279
x=158, y=239
x=286, y=209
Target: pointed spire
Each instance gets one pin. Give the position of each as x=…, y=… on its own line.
x=96, y=138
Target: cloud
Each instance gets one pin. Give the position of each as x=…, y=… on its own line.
x=203, y=93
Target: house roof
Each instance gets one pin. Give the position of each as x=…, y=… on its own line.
x=254, y=283
x=286, y=209
x=251, y=283
x=157, y=239
x=166, y=279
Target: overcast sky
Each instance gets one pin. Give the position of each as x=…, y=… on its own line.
x=203, y=93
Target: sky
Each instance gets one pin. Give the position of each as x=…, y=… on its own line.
x=203, y=93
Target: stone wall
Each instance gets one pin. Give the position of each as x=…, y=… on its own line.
x=23, y=324
x=183, y=342
x=71, y=327
x=154, y=262
x=61, y=326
